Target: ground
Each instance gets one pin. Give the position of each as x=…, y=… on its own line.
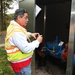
x=51, y=68
x=2, y=37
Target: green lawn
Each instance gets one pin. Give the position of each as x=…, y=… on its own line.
x=5, y=68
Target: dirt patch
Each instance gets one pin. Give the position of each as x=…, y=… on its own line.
x=2, y=37
x=49, y=69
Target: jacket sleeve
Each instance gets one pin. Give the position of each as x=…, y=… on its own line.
x=19, y=39
x=29, y=33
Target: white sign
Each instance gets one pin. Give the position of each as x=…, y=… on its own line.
x=38, y=9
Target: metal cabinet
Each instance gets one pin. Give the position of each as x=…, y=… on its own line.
x=29, y=5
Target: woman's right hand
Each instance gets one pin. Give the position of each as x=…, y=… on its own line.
x=40, y=38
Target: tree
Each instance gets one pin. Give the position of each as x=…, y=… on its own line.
x=4, y=4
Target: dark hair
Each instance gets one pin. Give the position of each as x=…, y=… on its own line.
x=19, y=12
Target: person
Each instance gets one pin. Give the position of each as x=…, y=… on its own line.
x=18, y=46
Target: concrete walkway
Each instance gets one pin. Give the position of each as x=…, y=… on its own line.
x=2, y=38
x=1, y=45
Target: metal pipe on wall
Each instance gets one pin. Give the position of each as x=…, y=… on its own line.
x=70, y=62
x=44, y=22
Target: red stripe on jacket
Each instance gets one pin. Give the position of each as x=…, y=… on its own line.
x=18, y=66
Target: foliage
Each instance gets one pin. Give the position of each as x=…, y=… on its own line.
x=8, y=18
x=4, y=4
x=5, y=68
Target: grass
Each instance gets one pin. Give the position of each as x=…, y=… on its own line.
x=5, y=68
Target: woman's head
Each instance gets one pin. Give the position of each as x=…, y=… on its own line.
x=21, y=16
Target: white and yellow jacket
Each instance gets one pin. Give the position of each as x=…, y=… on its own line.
x=16, y=43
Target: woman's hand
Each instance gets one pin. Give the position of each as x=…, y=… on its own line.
x=40, y=38
x=34, y=35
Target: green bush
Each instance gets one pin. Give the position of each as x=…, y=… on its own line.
x=5, y=68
